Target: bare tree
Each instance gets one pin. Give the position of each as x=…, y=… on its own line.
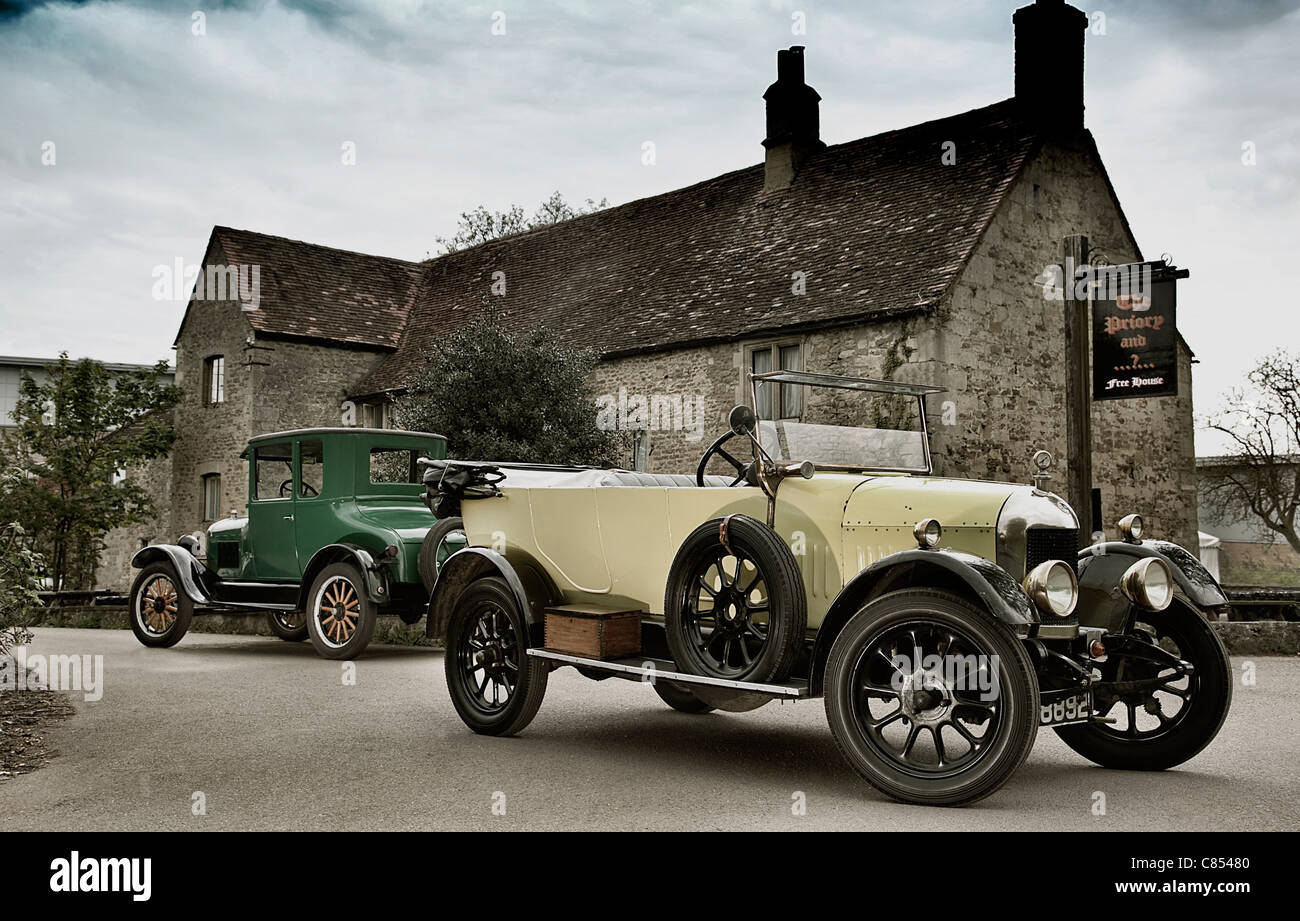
x=1260, y=478
x=481, y=225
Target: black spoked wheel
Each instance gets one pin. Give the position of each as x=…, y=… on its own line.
x=160, y=610
x=735, y=608
x=494, y=684
x=1169, y=722
x=930, y=699
x=290, y=626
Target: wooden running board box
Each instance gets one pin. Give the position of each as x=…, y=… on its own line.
x=593, y=631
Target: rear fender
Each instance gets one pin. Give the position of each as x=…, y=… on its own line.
x=374, y=576
x=983, y=582
x=532, y=589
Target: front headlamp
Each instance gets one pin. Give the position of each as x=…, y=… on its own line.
x=1130, y=528
x=1148, y=583
x=1053, y=587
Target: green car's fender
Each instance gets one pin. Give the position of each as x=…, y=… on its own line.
x=984, y=582
x=375, y=578
x=194, y=576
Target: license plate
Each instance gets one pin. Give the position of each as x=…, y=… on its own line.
x=1057, y=708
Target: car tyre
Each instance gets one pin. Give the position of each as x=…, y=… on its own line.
x=680, y=699
x=433, y=551
x=340, y=615
x=290, y=626
x=160, y=610
x=746, y=591
x=495, y=686
x=938, y=743
x=1164, y=740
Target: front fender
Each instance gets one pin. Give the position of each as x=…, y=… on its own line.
x=990, y=585
x=532, y=590
x=196, y=579
x=371, y=571
x=1102, y=604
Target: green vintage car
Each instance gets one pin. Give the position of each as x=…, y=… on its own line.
x=944, y=621
x=337, y=531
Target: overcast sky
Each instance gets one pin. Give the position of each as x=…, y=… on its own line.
x=159, y=133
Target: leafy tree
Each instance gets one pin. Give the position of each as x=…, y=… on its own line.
x=481, y=225
x=1262, y=422
x=508, y=395
x=75, y=435
x=20, y=580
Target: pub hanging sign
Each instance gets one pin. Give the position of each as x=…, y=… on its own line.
x=1134, y=331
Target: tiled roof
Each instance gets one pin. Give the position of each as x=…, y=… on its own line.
x=316, y=292
x=880, y=226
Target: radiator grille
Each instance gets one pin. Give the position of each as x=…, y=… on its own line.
x=1043, y=544
x=227, y=555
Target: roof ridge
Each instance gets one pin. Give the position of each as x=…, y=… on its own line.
x=1008, y=104
x=222, y=228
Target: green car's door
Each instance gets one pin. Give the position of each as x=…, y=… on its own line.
x=273, y=554
x=316, y=508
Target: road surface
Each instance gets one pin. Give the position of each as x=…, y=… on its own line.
x=262, y=734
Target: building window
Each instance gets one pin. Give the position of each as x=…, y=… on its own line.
x=373, y=415
x=785, y=401
x=214, y=380
x=640, y=450
x=211, y=496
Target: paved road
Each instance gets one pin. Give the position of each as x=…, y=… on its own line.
x=273, y=738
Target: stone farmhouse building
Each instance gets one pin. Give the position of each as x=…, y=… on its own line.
x=910, y=255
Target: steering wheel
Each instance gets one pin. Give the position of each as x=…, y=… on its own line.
x=744, y=472
x=308, y=491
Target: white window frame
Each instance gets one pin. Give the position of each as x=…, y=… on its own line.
x=211, y=503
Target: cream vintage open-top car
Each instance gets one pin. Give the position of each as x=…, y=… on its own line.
x=942, y=620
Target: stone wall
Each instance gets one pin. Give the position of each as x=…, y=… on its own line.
x=996, y=346
x=302, y=384
x=115, y=572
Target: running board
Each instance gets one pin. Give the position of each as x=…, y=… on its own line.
x=639, y=667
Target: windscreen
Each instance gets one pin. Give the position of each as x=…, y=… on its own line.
x=834, y=427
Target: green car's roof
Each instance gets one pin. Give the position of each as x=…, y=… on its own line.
x=343, y=430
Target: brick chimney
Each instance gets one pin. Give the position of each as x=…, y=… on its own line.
x=792, y=121
x=1049, y=64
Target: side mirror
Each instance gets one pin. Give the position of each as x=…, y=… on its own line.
x=742, y=420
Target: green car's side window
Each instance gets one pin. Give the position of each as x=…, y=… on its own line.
x=274, y=468
x=311, y=469
x=394, y=465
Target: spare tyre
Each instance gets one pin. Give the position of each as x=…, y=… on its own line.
x=443, y=539
x=735, y=605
